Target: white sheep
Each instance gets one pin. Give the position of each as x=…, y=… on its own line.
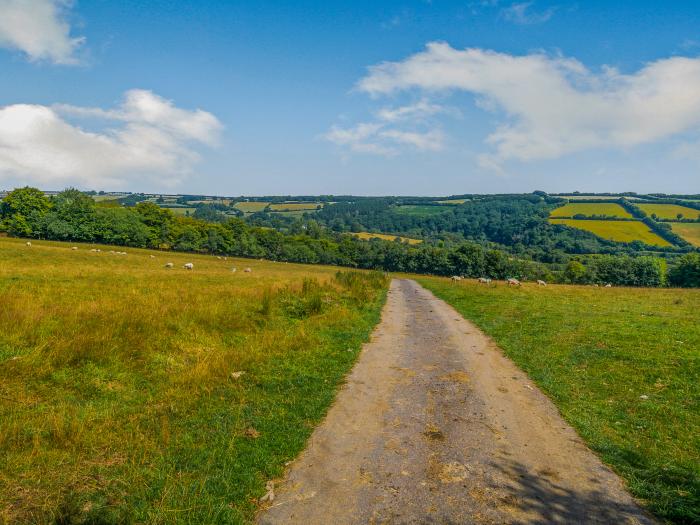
x=188, y=266
x=455, y=278
x=540, y=282
x=74, y=248
x=247, y=270
x=513, y=282
x=484, y=280
x=608, y=285
x=169, y=265
x=234, y=269
x=29, y=243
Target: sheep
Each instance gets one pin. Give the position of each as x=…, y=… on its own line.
x=98, y=250
x=608, y=285
x=513, y=282
x=247, y=270
x=94, y=250
x=188, y=266
x=455, y=278
x=74, y=248
x=152, y=256
x=29, y=244
x=540, y=282
x=484, y=280
x=218, y=257
x=169, y=265
x=234, y=269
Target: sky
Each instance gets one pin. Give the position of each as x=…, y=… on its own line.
x=355, y=97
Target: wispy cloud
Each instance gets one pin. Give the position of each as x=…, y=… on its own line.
x=551, y=105
x=146, y=137
x=523, y=14
x=40, y=30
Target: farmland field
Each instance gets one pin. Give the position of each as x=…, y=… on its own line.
x=690, y=231
x=622, y=365
x=452, y=202
x=117, y=399
x=182, y=211
x=295, y=206
x=591, y=208
x=251, y=207
x=670, y=211
x=620, y=231
x=386, y=237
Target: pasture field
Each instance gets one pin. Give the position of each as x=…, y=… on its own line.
x=417, y=209
x=182, y=211
x=452, y=202
x=690, y=231
x=251, y=207
x=385, y=236
x=622, y=365
x=295, y=206
x=670, y=211
x=591, y=208
x=620, y=231
x=120, y=398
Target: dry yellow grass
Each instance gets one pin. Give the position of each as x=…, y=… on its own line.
x=690, y=231
x=117, y=402
x=386, y=237
x=670, y=211
x=251, y=207
x=620, y=231
x=591, y=208
x=295, y=206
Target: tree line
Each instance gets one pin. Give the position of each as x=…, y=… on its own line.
x=74, y=216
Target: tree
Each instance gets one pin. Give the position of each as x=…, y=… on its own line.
x=686, y=272
x=22, y=210
x=575, y=272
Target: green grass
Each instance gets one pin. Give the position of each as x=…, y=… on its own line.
x=619, y=231
x=595, y=351
x=591, y=208
x=117, y=403
x=690, y=231
x=670, y=211
x=182, y=211
x=420, y=210
x=452, y=202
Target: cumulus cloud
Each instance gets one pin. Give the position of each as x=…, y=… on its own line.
x=146, y=136
x=39, y=29
x=551, y=105
x=522, y=14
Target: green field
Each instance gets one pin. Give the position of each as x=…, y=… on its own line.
x=452, y=202
x=690, y=231
x=385, y=236
x=670, y=211
x=591, y=208
x=117, y=399
x=251, y=207
x=595, y=352
x=619, y=231
x=182, y=211
x=422, y=210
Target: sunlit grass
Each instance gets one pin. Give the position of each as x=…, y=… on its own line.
x=365, y=236
x=117, y=402
x=690, y=231
x=619, y=231
x=670, y=211
x=591, y=208
x=597, y=352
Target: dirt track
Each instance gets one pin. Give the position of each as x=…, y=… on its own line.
x=435, y=425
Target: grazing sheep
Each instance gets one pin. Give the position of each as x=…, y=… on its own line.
x=234, y=269
x=484, y=280
x=74, y=248
x=152, y=256
x=540, y=282
x=225, y=258
x=513, y=282
x=188, y=266
x=29, y=244
x=455, y=278
x=93, y=250
x=218, y=257
x=595, y=286
x=169, y=265
x=247, y=270
x=608, y=285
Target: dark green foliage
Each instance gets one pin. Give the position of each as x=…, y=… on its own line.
x=687, y=272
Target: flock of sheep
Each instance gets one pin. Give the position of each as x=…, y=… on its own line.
x=186, y=266
x=510, y=281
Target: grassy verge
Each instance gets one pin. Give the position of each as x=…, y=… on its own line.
x=622, y=365
x=117, y=399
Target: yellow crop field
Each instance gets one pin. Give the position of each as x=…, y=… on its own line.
x=295, y=206
x=367, y=236
x=690, y=231
x=619, y=231
x=591, y=208
x=669, y=211
x=251, y=207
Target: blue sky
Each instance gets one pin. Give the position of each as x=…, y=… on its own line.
x=292, y=97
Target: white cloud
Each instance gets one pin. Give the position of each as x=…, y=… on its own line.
x=420, y=110
x=553, y=105
x=147, y=136
x=39, y=29
x=521, y=14
x=374, y=138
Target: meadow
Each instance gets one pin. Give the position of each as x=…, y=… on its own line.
x=690, y=231
x=622, y=365
x=134, y=393
x=589, y=209
x=620, y=231
x=670, y=211
x=385, y=236
x=452, y=202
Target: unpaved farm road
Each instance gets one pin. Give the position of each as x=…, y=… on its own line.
x=435, y=425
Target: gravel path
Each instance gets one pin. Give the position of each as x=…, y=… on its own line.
x=435, y=425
